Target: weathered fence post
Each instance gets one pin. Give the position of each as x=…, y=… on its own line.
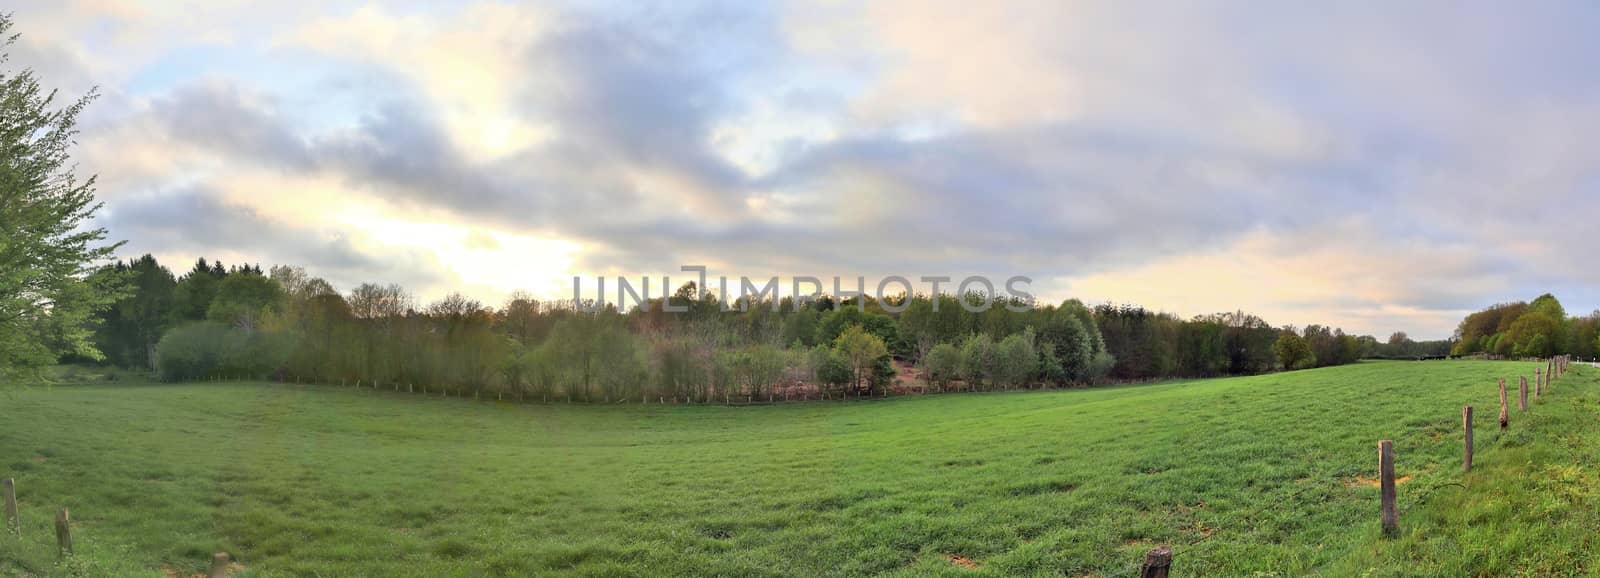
x=219, y=565
x=1538, y=390
x=64, y=532
x=1522, y=397
x=1505, y=417
x=1157, y=562
x=1538, y=377
x=13, y=523
x=1466, y=426
x=1391, y=516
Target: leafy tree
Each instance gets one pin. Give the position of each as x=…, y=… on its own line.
x=1015, y=360
x=47, y=244
x=1202, y=347
x=1293, y=352
x=837, y=322
x=977, y=359
x=861, y=350
x=942, y=364
x=1534, y=334
x=243, y=298
x=829, y=367
x=1067, y=343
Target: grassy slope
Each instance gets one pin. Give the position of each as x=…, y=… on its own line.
x=318, y=480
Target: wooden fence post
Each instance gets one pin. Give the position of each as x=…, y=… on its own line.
x=1157, y=563
x=1505, y=417
x=1390, y=516
x=64, y=532
x=1538, y=377
x=1522, y=397
x=219, y=565
x=1466, y=426
x=1538, y=390
x=13, y=523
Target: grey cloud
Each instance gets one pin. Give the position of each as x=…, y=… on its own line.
x=198, y=222
x=217, y=116
x=1397, y=145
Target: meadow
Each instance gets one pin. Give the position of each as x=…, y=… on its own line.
x=1265, y=475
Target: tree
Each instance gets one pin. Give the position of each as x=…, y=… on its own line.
x=861, y=350
x=1293, y=352
x=1534, y=334
x=835, y=324
x=129, y=329
x=977, y=359
x=1067, y=343
x=829, y=367
x=942, y=364
x=47, y=244
x=1015, y=359
x=243, y=298
x=191, y=300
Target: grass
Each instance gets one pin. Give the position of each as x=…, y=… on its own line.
x=1255, y=475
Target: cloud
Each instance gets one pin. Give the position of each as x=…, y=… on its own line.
x=1377, y=167
x=200, y=222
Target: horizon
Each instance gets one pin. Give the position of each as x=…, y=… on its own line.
x=1376, y=170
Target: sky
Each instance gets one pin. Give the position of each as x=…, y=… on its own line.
x=1375, y=166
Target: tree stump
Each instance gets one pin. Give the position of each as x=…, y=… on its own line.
x=1157, y=563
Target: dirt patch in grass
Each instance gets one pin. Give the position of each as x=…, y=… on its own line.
x=1359, y=481
x=962, y=561
x=170, y=572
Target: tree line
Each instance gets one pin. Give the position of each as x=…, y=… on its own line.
x=1540, y=328
x=243, y=321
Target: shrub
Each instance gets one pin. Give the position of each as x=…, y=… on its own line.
x=942, y=364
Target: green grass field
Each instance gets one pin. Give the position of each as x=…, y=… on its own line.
x=1256, y=475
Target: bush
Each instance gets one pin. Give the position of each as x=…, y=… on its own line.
x=942, y=364
x=829, y=367
x=977, y=359
x=1015, y=360
x=207, y=348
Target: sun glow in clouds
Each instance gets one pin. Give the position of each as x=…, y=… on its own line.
x=484, y=261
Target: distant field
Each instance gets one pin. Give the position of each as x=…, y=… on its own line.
x=1239, y=475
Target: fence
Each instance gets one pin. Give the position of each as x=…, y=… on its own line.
x=219, y=562
x=1159, y=561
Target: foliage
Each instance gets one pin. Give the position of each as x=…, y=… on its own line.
x=379, y=335
x=1293, y=351
x=861, y=350
x=1016, y=361
x=942, y=364
x=977, y=359
x=48, y=244
x=1537, y=329
x=129, y=329
x=207, y=349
